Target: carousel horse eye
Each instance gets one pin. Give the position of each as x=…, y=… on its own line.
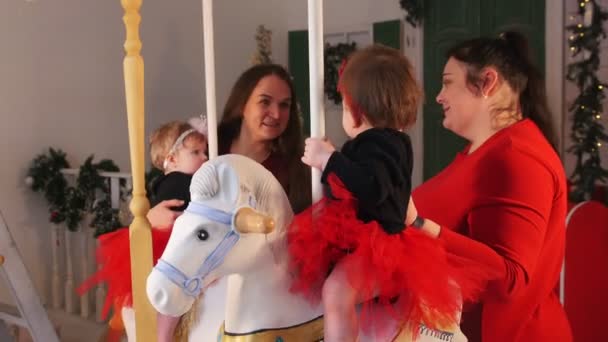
x=202, y=234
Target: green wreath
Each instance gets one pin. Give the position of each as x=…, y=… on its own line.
x=334, y=55
x=414, y=9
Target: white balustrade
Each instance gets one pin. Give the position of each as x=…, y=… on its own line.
x=73, y=253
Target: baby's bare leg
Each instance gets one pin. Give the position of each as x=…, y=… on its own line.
x=339, y=301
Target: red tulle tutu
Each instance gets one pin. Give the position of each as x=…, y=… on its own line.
x=114, y=259
x=409, y=272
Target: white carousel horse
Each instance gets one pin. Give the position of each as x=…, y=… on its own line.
x=223, y=235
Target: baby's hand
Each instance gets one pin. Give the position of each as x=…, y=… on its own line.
x=317, y=152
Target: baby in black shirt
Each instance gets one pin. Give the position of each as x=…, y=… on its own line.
x=178, y=149
x=353, y=244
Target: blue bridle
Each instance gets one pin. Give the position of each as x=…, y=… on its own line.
x=192, y=286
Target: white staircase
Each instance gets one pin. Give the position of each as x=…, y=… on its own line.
x=28, y=311
x=76, y=318
x=27, y=320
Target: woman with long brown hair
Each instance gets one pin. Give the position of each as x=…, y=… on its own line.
x=261, y=120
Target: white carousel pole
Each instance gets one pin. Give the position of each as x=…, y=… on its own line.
x=209, y=62
x=317, y=97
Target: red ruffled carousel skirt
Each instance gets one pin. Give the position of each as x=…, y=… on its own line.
x=114, y=259
x=409, y=272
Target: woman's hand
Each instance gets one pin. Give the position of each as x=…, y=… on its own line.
x=161, y=216
x=317, y=152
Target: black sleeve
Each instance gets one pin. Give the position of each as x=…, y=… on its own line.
x=175, y=186
x=372, y=171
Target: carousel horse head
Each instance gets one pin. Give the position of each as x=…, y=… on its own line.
x=238, y=210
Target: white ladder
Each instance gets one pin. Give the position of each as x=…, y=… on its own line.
x=29, y=312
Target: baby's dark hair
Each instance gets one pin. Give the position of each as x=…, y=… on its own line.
x=378, y=84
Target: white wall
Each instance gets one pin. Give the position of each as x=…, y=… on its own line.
x=235, y=25
x=348, y=16
x=61, y=85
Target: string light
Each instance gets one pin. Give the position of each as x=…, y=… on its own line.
x=584, y=36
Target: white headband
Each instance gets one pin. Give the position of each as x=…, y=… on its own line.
x=198, y=124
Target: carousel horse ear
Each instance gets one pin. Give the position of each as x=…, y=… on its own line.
x=205, y=183
x=248, y=220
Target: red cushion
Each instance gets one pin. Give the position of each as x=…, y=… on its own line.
x=586, y=277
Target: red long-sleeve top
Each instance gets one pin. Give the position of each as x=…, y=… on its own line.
x=505, y=205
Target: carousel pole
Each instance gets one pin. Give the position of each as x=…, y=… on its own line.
x=317, y=97
x=209, y=62
x=139, y=232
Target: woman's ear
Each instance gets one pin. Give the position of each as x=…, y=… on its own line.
x=489, y=81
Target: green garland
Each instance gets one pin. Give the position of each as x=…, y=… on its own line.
x=106, y=219
x=588, y=134
x=414, y=9
x=69, y=203
x=334, y=55
x=44, y=175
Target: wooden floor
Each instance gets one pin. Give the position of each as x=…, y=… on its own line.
x=70, y=327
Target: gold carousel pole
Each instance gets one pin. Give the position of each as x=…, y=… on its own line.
x=139, y=231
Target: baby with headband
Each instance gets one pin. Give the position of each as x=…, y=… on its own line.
x=178, y=149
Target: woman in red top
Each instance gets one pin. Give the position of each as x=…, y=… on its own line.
x=503, y=199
